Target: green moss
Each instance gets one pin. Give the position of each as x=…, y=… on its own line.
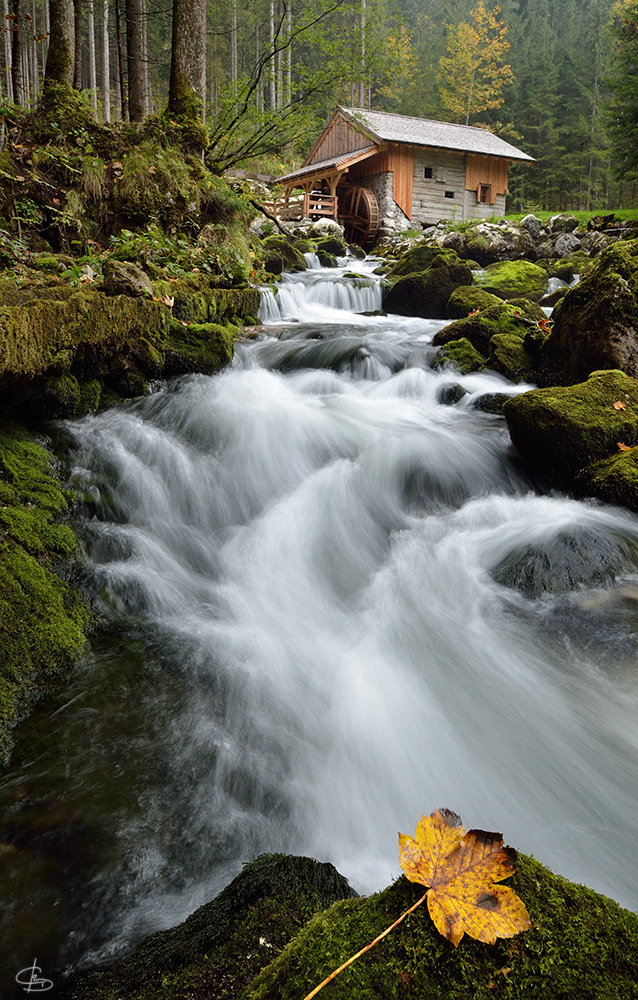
x=467, y=299
x=327, y=259
x=198, y=347
x=278, y=249
x=561, y=430
x=41, y=616
x=509, y=357
x=511, y=279
x=582, y=947
x=614, y=479
x=420, y=258
x=504, y=318
x=461, y=355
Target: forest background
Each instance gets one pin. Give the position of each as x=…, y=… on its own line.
x=275, y=69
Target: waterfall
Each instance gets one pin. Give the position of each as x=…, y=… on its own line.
x=336, y=604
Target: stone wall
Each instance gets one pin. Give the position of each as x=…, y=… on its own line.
x=391, y=218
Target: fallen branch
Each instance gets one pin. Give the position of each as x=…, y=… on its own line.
x=273, y=218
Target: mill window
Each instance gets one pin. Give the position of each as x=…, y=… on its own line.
x=449, y=194
x=428, y=173
x=484, y=194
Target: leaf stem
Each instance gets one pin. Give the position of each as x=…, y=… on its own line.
x=363, y=950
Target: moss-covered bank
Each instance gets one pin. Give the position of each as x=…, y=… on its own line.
x=583, y=946
x=41, y=616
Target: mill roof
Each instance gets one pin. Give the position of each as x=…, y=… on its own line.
x=386, y=127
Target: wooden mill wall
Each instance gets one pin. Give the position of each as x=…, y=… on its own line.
x=342, y=137
x=441, y=196
x=398, y=160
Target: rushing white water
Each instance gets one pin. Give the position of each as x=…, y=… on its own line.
x=367, y=611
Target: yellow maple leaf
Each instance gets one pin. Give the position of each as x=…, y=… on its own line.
x=460, y=868
x=619, y=405
x=623, y=447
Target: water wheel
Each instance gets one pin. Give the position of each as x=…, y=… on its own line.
x=359, y=214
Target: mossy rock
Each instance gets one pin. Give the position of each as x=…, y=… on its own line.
x=596, y=322
x=479, y=329
x=223, y=946
x=278, y=248
x=509, y=356
x=327, y=259
x=467, y=299
x=42, y=616
x=491, y=402
x=356, y=251
x=460, y=355
x=420, y=258
x=335, y=245
x=304, y=246
x=582, y=947
x=528, y=309
x=554, y=297
x=46, y=262
x=614, y=479
x=561, y=430
x=514, y=279
x=198, y=347
x=426, y=293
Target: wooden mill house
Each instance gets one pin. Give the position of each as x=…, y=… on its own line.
x=371, y=170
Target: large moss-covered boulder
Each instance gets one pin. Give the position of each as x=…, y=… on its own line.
x=614, y=479
x=426, y=293
x=596, y=323
x=221, y=948
x=563, y=429
x=467, y=299
x=479, y=329
x=582, y=947
x=280, y=255
x=125, y=278
x=514, y=279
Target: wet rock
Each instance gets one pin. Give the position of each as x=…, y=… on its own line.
x=280, y=254
x=125, y=278
x=491, y=402
x=326, y=259
x=509, y=356
x=532, y=226
x=334, y=245
x=450, y=393
x=420, y=258
x=566, y=562
x=479, y=329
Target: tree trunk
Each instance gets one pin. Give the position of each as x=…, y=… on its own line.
x=16, y=52
x=77, y=62
x=106, y=64
x=362, y=61
x=59, y=68
x=120, y=63
x=134, y=60
x=8, y=38
x=188, y=59
x=289, y=54
x=233, y=42
x=91, y=39
x=272, y=89
x=33, y=52
x=146, y=62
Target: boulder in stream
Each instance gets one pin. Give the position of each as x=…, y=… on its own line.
x=513, y=279
x=426, y=293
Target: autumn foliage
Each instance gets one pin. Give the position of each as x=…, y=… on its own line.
x=460, y=869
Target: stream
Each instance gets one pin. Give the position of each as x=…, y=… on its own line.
x=329, y=604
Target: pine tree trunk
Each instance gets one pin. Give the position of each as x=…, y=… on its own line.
x=59, y=68
x=8, y=38
x=77, y=59
x=120, y=62
x=188, y=59
x=16, y=53
x=362, y=61
x=33, y=53
x=146, y=63
x=91, y=40
x=106, y=63
x=233, y=42
x=272, y=88
x=289, y=54
x=134, y=60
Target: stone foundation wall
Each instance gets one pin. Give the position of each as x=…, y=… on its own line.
x=391, y=218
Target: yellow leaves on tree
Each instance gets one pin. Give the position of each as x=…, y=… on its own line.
x=460, y=869
x=472, y=75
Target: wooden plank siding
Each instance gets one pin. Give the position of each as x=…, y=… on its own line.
x=399, y=160
x=338, y=138
x=431, y=199
x=487, y=170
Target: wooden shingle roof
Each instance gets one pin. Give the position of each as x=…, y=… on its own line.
x=386, y=127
